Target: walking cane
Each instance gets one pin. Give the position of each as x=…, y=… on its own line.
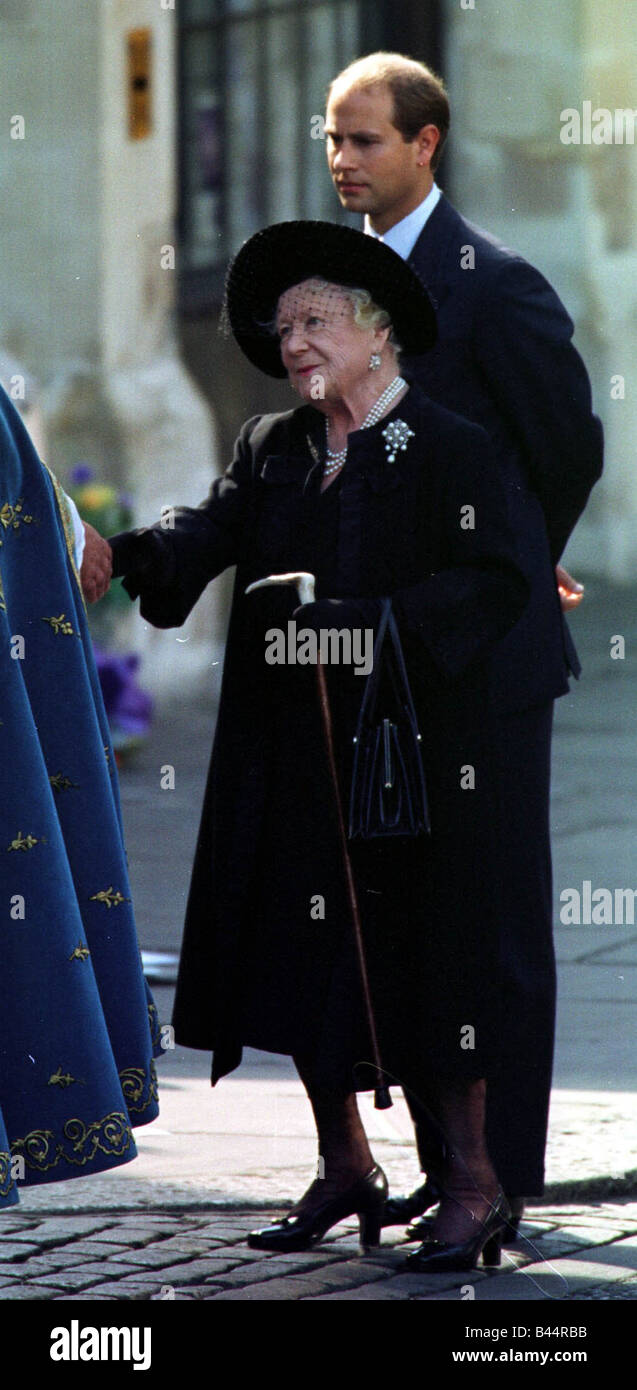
x=304, y=584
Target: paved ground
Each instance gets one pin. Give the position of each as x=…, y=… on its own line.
x=577, y=1252
x=217, y=1161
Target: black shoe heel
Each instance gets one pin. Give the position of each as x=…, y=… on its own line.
x=370, y=1227
x=437, y=1256
x=365, y=1198
x=513, y=1225
x=420, y=1228
x=492, y=1252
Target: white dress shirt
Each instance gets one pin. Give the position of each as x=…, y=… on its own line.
x=402, y=237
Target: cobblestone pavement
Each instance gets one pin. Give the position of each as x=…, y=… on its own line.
x=218, y=1163
x=565, y=1253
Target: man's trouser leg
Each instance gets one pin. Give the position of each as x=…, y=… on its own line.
x=518, y=1095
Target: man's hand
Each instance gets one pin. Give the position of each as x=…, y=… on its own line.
x=570, y=591
x=97, y=565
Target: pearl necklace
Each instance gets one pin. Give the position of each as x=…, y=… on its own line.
x=336, y=460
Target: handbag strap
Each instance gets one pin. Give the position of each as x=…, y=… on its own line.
x=400, y=662
x=371, y=684
x=387, y=631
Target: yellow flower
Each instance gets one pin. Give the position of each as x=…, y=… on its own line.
x=97, y=495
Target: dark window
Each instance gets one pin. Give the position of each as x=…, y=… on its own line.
x=253, y=75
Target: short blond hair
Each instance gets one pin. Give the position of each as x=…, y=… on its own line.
x=419, y=94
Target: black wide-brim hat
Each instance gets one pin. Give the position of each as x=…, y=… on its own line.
x=283, y=255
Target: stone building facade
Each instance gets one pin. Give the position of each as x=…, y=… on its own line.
x=142, y=140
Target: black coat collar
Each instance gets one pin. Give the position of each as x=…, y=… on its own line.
x=368, y=454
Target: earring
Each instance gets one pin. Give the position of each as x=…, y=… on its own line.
x=374, y=362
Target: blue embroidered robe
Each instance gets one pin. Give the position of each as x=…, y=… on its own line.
x=78, y=1026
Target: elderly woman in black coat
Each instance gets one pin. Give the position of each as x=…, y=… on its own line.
x=378, y=492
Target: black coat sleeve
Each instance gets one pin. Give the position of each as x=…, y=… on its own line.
x=478, y=590
x=523, y=340
x=167, y=566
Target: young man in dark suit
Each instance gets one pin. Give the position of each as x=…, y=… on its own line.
x=505, y=360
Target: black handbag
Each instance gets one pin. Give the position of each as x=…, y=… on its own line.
x=388, y=794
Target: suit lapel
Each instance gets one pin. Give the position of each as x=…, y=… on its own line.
x=430, y=253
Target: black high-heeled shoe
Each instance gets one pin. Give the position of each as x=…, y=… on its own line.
x=365, y=1199
x=421, y=1227
x=436, y=1256
x=400, y=1210
x=512, y=1228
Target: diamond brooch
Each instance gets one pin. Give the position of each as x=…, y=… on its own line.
x=396, y=435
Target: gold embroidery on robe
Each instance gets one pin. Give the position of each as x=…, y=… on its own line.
x=25, y=842
x=61, y=625
x=12, y=517
x=6, y=1179
x=81, y=952
x=112, y=1135
x=67, y=523
x=60, y=1078
x=133, y=1082
x=132, y=1079
x=60, y=783
x=109, y=897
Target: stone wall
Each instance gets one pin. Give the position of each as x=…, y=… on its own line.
x=513, y=69
x=88, y=272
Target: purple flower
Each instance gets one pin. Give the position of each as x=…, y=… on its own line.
x=129, y=708
x=81, y=473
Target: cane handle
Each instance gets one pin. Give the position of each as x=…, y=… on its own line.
x=301, y=578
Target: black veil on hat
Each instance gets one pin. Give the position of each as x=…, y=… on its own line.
x=287, y=253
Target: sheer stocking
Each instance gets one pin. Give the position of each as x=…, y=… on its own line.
x=344, y=1152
